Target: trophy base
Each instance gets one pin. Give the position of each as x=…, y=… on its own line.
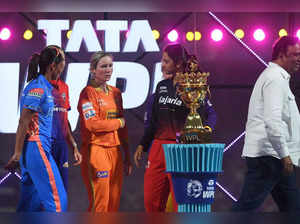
x=194, y=136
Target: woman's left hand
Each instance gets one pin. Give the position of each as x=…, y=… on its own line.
x=13, y=163
x=127, y=167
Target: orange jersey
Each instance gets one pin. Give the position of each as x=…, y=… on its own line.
x=99, y=117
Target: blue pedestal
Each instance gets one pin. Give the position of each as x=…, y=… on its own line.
x=194, y=169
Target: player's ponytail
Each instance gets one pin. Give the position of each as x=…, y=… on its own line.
x=33, y=67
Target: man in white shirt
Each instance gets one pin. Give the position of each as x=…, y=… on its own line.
x=272, y=141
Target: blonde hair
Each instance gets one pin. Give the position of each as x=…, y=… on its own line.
x=95, y=58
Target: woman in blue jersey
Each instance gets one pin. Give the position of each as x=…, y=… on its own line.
x=42, y=188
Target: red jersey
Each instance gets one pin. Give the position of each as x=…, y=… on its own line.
x=60, y=94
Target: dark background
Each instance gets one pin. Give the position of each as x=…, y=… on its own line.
x=233, y=73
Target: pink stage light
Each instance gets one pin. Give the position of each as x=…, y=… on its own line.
x=173, y=36
x=298, y=34
x=216, y=35
x=259, y=35
x=5, y=34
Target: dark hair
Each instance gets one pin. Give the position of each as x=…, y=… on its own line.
x=281, y=45
x=39, y=63
x=177, y=53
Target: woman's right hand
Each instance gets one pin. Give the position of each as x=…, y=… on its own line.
x=13, y=163
x=138, y=155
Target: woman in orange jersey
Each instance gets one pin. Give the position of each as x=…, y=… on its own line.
x=103, y=131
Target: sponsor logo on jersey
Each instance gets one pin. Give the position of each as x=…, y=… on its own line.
x=112, y=114
x=89, y=114
x=102, y=174
x=87, y=106
x=59, y=109
x=37, y=92
x=163, y=89
x=169, y=100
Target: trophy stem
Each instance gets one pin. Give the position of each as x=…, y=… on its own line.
x=193, y=120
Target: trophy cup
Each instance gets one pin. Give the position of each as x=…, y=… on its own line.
x=192, y=88
x=193, y=163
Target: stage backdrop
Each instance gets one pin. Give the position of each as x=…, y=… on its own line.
x=129, y=36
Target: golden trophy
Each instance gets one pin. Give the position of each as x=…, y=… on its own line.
x=193, y=164
x=192, y=88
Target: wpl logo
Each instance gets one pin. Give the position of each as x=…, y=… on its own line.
x=194, y=188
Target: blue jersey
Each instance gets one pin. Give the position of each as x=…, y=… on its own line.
x=37, y=97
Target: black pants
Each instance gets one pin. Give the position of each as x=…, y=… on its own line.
x=265, y=176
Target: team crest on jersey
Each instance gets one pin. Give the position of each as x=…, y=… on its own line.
x=89, y=114
x=36, y=92
x=102, y=102
x=102, y=174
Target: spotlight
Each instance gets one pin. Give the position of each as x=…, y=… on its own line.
x=190, y=36
x=5, y=34
x=217, y=35
x=198, y=35
x=69, y=34
x=282, y=33
x=239, y=33
x=28, y=34
x=298, y=34
x=259, y=35
x=155, y=34
x=173, y=36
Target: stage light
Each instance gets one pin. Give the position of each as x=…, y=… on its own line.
x=198, y=35
x=239, y=33
x=155, y=34
x=282, y=32
x=298, y=34
x=217, y=35
x=190, y=36
x=173, y=36
x=69, y=34
x=5, y=34
x=28, y=34
x=259, y=35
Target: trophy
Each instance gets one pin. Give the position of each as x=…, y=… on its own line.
x=192, y=88
x=193, y=164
